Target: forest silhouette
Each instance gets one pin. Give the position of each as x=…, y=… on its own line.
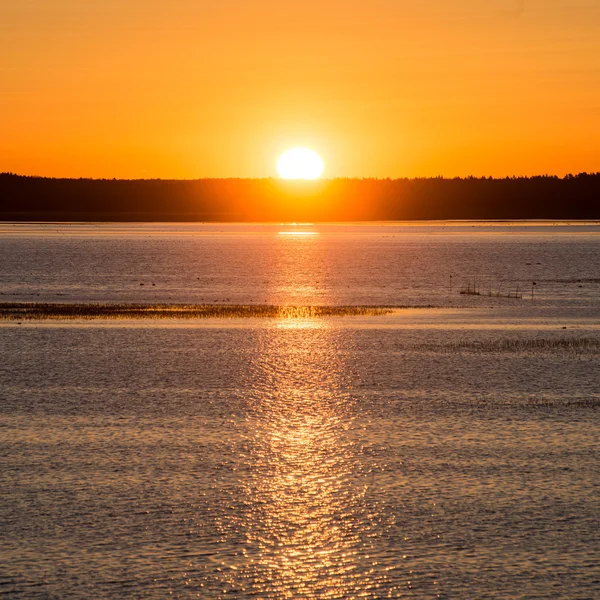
x=24, y=198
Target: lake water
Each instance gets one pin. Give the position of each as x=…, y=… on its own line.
x=441, y=452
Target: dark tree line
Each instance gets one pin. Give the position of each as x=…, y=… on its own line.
x=544, y=197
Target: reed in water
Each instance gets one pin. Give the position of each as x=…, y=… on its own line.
x=20, y=311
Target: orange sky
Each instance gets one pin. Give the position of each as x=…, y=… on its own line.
x=380, y=88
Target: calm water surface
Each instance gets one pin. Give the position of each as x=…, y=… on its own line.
x=390, y=263
x=433, y=453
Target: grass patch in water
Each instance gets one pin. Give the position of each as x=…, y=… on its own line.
x=575, y=345
x=32, y=311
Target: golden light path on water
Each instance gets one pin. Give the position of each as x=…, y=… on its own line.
x=308, y=527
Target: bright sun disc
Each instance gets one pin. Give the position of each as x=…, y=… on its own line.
x=300, y=163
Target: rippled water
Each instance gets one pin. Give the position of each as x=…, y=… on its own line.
x=446, y=453
x=303, y=264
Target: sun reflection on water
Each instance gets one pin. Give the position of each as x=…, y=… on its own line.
x=306, y=525
x=305, y=522
x=298, y=232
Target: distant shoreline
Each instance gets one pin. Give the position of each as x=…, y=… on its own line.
x=37, y=199
x=23, y=219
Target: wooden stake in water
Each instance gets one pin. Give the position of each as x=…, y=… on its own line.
x=533, y=284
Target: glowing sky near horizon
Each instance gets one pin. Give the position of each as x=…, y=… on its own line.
x=379, y=88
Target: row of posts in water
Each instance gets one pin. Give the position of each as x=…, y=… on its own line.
x=500, y=290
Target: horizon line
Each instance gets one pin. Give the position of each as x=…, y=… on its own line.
x=313, y=181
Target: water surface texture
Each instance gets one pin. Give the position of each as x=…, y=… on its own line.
x=295, y=264
x=430, y=453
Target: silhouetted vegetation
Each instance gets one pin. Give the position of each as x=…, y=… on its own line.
x=544, y=197
x=28, y=311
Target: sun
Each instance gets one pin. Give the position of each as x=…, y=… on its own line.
x=300, y=163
